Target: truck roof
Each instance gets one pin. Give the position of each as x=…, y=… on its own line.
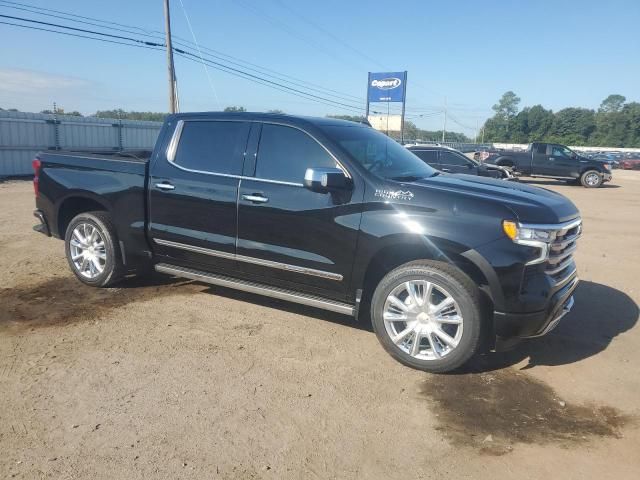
x=262, y=116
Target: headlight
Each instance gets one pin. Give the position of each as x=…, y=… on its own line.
x=530, y=237
x=607, y=166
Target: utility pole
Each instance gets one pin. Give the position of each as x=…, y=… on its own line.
x=172, y=72
x=444, y=127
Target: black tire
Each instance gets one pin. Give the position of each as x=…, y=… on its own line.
x=591, y=179
x=113, y=269
x=459, y=286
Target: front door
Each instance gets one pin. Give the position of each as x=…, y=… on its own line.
x=193, y=192
x=563, y=162
x=454, y=162
x=295, y=237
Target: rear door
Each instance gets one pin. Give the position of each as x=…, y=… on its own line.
x=288, y=235
x=454, y=162
x=540, y=163
x=193, y=191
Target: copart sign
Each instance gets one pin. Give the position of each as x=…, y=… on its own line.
x=387, y=86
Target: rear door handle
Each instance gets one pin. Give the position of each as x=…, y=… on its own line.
x=165, y=186
x=255, y=198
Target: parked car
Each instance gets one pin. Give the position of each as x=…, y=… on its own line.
x=631, y=161
x=449, y=160
x=609, y=158
x=552, y=160
x=326, y=213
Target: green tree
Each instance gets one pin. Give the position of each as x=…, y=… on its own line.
x=351, y=118
x=133, y=115
x=613, y=103
x=507, y=106
x=572, y=126
x=234, y=108
x=539, y=121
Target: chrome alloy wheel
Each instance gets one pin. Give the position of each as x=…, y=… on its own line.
x=87, y=250
x=592, y=179
x=423, y=320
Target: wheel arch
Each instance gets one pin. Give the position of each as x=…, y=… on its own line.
x=75, y=204
x=399, y=253
x=505, y=161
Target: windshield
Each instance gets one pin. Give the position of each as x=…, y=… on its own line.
x=379, y=154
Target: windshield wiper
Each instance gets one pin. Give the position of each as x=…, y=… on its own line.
x=406, y=178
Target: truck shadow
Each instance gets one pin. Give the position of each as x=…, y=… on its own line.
x=539, y=182
x=599, y=315
x=295, y=308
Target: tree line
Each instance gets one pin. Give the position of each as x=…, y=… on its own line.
x=412, y=132
x=616, y=123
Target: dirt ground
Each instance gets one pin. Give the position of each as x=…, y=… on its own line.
x=176, y=379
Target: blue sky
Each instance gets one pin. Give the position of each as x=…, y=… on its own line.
x=558, y=53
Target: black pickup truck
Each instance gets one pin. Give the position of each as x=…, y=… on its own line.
x=326, y=213
x=553, y=161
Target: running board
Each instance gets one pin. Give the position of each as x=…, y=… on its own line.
x=258, y=288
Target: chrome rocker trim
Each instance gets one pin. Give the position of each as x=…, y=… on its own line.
x=257, y=288
x=253, y=260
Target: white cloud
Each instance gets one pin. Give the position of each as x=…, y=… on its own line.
x=18, y=81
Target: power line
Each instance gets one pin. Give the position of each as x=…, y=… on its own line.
x=15, y=5
x=81, y=36
x=206, y=70
x=329, y=34
x=22, y=19
x=187, y=44
x=187, y=54
x=268, y=82
x=283, y=26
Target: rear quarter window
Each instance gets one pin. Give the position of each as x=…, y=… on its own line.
x=212, y=147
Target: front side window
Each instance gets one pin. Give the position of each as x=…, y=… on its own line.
x=285, y=153
x=561, y=151
x=213, y=147
x=429, y=156
x=452, y=158
x=379, y=154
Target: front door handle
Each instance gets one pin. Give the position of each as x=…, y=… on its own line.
x=165, y=186
x=446, y=169
x=255, y=198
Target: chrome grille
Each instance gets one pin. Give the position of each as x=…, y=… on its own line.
x=560, y=266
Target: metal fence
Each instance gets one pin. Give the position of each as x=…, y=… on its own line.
x=22, y=135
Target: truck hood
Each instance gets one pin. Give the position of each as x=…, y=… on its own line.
x=530, y=204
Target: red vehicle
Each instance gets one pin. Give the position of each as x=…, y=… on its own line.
x=631, y=161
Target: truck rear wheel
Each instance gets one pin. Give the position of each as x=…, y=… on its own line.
x=92, y=249
x=428, y=316
x=591, y=179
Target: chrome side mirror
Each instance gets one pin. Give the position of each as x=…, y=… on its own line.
x=325, y=179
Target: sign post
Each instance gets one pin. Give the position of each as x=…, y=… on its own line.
x=388, y=87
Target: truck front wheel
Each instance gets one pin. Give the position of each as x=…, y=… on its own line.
x=92, y=249
x=591, y=179
x=428, y=316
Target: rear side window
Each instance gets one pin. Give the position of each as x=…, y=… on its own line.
x=429, y=156
x=214, y=147
x=541, y=149
x=285, y=153
x=451, y=158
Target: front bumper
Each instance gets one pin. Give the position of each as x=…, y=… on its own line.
x=606, y=177
x=536, y=324
x=43, y=226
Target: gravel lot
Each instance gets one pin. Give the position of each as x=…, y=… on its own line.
x=175, y=379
